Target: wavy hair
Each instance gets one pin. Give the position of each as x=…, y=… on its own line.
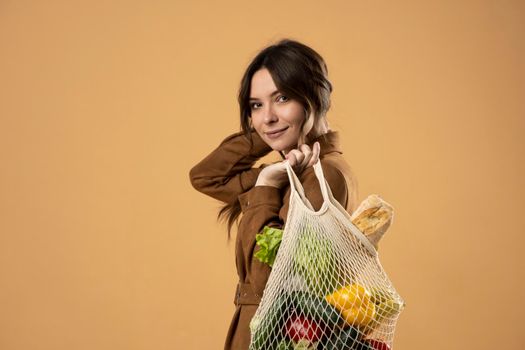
x=299, y=72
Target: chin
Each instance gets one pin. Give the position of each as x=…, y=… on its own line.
x=281, y=146
x=276, y=146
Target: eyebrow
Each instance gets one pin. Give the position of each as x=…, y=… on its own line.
x=272, y=94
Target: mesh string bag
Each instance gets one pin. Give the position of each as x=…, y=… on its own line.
x=327, y=288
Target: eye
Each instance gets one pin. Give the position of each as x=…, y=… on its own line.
x=285, y=98
x=252, y=105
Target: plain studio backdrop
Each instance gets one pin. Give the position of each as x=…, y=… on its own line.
x=105, y=106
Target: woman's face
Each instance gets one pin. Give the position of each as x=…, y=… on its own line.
x=272, y=111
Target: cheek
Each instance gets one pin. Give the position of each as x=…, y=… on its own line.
x=257, y=125
x=299, y=120
x=255, y=121
x=296, y=117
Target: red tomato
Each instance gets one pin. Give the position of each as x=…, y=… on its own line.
x=378, y=345
x=299, y=327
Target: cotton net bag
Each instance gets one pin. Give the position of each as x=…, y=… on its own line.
x=327, y=288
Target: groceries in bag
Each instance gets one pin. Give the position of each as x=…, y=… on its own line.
x=327, y=288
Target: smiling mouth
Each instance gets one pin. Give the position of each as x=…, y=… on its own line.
x=276, y=132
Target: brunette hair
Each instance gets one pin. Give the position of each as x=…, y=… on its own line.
x=300, y=73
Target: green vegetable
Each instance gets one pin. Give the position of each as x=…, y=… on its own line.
x=347, y=339
x=315, y=307
x=268, y=241
x=315, y=259
x=304, y=344
x=285, y=345
x=269, y=330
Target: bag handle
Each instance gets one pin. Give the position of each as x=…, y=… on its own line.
x=328, y=197
x=296, y=185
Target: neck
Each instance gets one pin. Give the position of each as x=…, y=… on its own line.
x=317, y=130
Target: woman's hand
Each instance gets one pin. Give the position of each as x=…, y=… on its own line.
x=275, y=174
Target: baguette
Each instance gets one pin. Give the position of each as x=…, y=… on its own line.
x=373, y=217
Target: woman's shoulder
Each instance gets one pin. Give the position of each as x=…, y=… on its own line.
x=336, y=162
x=341, y=179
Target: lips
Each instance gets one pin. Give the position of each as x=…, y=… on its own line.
x=275, y=131
x=276, y=134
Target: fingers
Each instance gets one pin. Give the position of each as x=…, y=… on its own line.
x=315, y=154
x=304, y=156
x=295, y=157
x=307, y=155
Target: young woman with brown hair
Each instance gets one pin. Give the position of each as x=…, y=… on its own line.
x=284, y=98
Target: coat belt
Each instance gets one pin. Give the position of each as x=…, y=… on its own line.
x=244, y=295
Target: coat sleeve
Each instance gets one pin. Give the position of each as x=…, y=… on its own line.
x=268, y=208
x=228, y=170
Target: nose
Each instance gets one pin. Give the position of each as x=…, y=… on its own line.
x=269, y=114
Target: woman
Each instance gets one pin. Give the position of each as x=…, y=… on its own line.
x=284, y=97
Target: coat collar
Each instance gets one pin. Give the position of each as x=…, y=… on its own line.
x=329, y=142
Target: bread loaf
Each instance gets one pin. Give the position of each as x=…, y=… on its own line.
x=373, y=217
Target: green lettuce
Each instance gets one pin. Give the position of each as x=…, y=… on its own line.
x=315, y=259
x=269, y=241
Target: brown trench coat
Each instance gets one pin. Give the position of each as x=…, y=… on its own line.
x=227, y=174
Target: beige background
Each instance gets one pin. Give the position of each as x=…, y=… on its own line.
x=105, y=106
